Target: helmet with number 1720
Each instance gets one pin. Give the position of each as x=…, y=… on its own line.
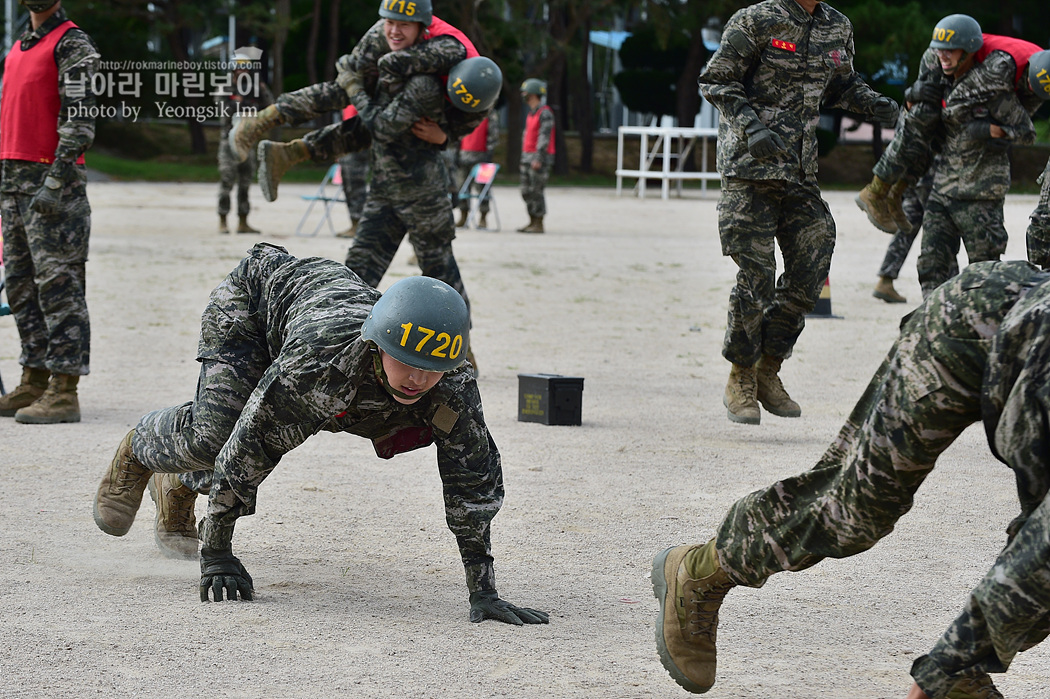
x=422, y=322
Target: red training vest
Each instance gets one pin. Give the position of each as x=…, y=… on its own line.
x=349, y=112
x=477, y=140
x=1019, y=49
x=532, y=132
x=439, y=27
x=30, y=106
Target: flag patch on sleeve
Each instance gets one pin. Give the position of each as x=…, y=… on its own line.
x=783, y=45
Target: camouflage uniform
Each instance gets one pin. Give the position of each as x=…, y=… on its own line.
x=230, y=171
x=914, y=204
x=534, y=181
x=1039, y=228
x=469, y=158
x=45, y=255
x=354, y=169
x=409, y=194
x=779, y=65
x=281, y=360
x=971, y=181
x=909, y=152
x=978, y=345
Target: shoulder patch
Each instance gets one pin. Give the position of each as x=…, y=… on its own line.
x=444, y=418
x=738, y=41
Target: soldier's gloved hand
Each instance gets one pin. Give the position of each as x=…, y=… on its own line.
x=221, y=570
x=886, y=111
x=925, y=91
x=486, y=604
x=763, y=143
x=347, y=77
x=979, y=130
x=392, y=70
x=48, y=197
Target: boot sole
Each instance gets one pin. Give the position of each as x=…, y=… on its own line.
x=887, y=298
x=264, y=173
x=659, y=580
x=871, y=219
x=733, y=417
x=782, y=413
x=165, y=550
x=33, y=420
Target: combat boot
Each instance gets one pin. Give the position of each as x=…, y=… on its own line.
x=349, y=232
x=739, y=398
x=462, y=221
x=242, y=225
x=690, y=584
x=884, y=290
x=223, y=228
x=980, y=687
x=535, y=225
x=483, y=222
x=872, y=201
x=175, y=529
x=58, y=403
x=247, y=131
x=771, y=393
x=31, y=387
x=120, y=493
x=894, y=206
x=275, y=159
x=532, y=220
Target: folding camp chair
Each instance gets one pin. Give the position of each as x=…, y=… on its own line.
x=334, y=176
x=483, y=174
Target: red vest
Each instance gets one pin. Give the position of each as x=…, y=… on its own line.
x=30, y=106
x=532, y=132
x=349, y=112
x=477, y=140
x=439, y=27
x=1019, y=49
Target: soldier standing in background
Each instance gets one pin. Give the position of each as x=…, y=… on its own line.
x=245, y=95
x=537, y=152
x=475, y=148
x=290, y=347
x=978, y=347
x=779, y=63
x=45, y=209
x=1038, y=235
x=354, y=170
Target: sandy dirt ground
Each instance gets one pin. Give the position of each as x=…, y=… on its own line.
x=360, y=590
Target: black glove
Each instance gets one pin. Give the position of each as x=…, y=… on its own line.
x=979, y=130
x=486, y=604
x=885, y=111
x=926, y=91
x=220, y=569
x=47, y=198
x=763, y=143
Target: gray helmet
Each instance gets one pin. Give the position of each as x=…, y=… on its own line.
x=38, y=5
x=407, y=10
x=474, y=84
x=1039, y=74
x=422, y=322
x=957, y=32
x=534, y=86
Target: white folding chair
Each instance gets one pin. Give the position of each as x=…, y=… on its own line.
x=333, y=176
x=483, y=174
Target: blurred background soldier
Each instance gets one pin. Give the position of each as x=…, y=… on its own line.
x=354, y=170
x=475, y=148
x=47, y=218
x=246, y=95
x=537, y=152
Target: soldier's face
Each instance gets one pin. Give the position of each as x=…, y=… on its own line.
x=408, y=380
x=950, y=60
x=400, y=35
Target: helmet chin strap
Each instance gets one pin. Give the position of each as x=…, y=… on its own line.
x=377, y=364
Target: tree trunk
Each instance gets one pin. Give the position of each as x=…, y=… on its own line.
x=333, y=53
x=557, y=92
x=687, y=94
x=280, y=38
x=585, y=103
x=177, y=42
x=311, y=43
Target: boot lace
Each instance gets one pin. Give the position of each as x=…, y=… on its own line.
x=703, y=617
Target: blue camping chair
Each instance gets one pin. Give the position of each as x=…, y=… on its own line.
x=483, y=174
x=326, y=198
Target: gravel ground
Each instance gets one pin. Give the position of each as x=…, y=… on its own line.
x=360, y=590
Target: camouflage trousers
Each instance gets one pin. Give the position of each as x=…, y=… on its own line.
x=978, y=224
x=336, y=140
x=909, y=153
x=234, y=355
x=232, y=172
x=311, y=102
x=1008, y=612
x=914, y=204
x=45, y=279
x=766, y=315
x=467, y=161
x=925, y=393
x=354, y=169
x=429, y=225
x=533, y=183
x=1038, y=235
